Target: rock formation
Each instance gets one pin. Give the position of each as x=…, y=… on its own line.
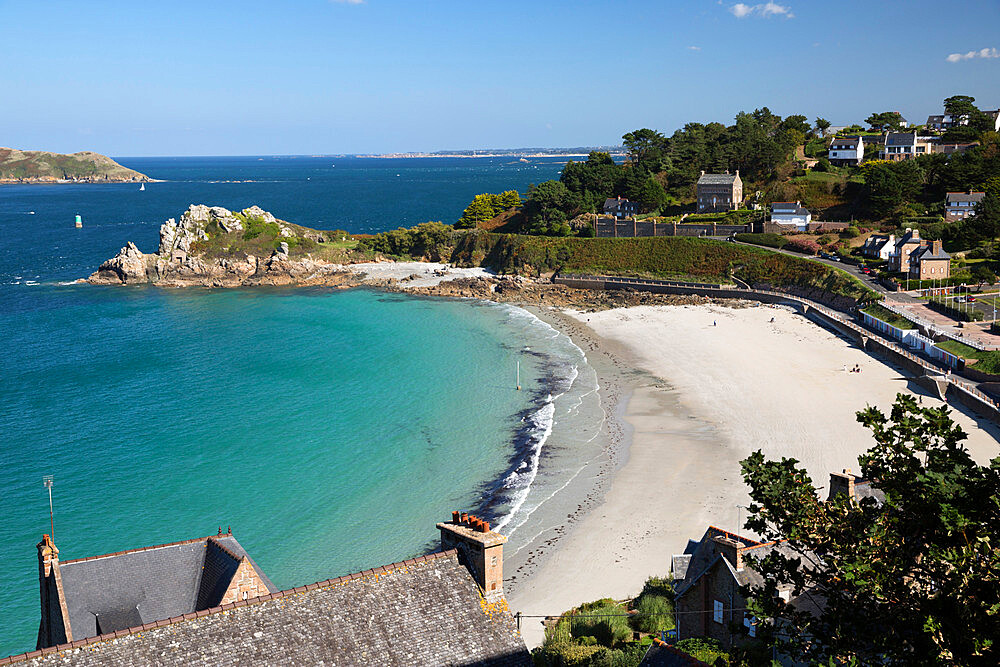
x=18, y=166
x=212, y=246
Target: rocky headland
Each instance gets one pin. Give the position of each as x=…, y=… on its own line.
x=18, y=166
x=216, y=247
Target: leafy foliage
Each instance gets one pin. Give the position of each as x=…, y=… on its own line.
x=487, y=206
x=768, y=240
x=913, y=581
x=427, y=240
x=655, y=606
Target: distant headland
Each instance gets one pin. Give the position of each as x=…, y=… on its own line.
x=17, y=166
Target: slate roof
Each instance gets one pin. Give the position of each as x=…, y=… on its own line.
x=705, y=555
x=717, y=179
x=614, y=204
x=873, y=139
x=125, y=589
x=863, y=488
x=926, y=252
x=901, y=139
x=955, y=197
x=787, y=208
x=661, y=654
x=845, y=142
x=424, y=611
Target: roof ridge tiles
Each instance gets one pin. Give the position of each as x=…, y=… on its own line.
x=214, y=540
x=738, y=537
x=139, y=549
x=86, y=641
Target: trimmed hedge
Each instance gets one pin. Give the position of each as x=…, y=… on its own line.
x=768, y=240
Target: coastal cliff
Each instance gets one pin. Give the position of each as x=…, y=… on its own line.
x=18, y=166
x=215, y=247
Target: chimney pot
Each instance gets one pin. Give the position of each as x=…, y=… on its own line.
x=486, y=526
x=465, y=518
x=455, y=517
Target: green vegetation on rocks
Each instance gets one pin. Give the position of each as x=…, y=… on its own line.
x=44, y=167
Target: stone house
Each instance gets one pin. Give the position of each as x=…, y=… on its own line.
x=717, y=193
x=446, y=608
x=620, y=208
x=899, y=258
x=707, y=582
x=961, y=205
x=846, y=151
x=929, y=261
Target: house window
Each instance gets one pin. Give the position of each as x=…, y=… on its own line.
x=717, y=612
x=750, y=623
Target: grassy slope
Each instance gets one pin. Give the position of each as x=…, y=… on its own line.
x=261, y=238
x=987, y=361
x=41, y=165
x=701, y=260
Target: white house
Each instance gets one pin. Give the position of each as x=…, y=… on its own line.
x=790, y=213
x=846, y=151
x=879, y=246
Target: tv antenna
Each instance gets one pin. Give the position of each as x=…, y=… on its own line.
x=47, y=481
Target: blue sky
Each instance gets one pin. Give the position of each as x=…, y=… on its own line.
x=244, y=78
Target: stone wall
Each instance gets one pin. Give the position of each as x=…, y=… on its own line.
x=246, y=584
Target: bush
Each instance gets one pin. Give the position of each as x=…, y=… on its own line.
x=850, y=233
x=768, y=240
x=603, y=619
x=807, y=246
x=822, y=165
x=426, y=240
x=706, y=650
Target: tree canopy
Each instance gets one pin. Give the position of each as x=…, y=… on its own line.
x=886, y=121
x=914, y=580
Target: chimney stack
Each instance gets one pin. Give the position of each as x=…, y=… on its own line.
x=479, y=549
x=936, y=247
x=731, y=550
x=54, y=628
x=842, y=483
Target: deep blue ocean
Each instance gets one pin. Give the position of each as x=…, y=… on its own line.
x=330, y=429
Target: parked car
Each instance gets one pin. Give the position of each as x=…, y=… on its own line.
x=972, y=299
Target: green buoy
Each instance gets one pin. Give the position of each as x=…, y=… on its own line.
x=79, y=221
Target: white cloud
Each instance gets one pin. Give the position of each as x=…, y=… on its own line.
x=694, y=48
x=981, y=53
x=766, y=9
x=349, y=2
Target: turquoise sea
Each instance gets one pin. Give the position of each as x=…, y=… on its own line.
x=329, y=429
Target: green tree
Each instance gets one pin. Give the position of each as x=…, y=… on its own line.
x=545, y=209
x=822, y=125
x=970, y=122
x=983, y=274
x=479, y=210
x=887, y=121
x=914, y=580
x=646, y=148
x=652, y=196
x=885, y=192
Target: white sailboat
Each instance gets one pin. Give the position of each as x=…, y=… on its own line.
x=142, y=187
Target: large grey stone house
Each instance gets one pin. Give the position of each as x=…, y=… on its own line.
x=719, y=192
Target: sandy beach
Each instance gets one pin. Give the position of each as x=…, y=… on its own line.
x=694, y=390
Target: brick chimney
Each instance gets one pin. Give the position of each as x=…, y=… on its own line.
x=936, y=247
x=479, y=549
x=731, y=549
x=54, y=627
x=842, y=483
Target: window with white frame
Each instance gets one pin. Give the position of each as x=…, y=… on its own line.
x=717, y=612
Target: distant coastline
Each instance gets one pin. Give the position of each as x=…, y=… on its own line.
x=617, y=151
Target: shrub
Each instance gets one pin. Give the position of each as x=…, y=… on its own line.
x=822, y=165
x=807, y=246
x=768, y=240
x=850, y=233
x=704, y=649
x=603, y=619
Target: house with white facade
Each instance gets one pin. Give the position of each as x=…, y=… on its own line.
x=846, y=151
x=905, y=146
x=879, y=246
x=961, y=205
x=790, y=214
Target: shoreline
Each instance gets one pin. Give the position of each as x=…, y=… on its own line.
x=695, y=390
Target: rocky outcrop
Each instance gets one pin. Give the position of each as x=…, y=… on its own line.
x=17, y=166
x=181, y=259
x=129, y=266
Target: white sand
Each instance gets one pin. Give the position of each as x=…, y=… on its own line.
x=428, y=273
x=727, y=389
